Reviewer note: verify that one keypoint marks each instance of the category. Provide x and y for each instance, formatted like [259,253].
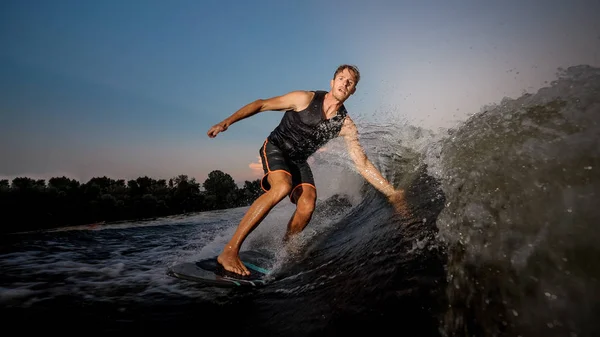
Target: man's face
[343,85]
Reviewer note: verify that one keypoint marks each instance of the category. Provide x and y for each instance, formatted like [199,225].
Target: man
[311,119]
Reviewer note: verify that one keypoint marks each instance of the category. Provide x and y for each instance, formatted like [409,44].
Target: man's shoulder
[302,93]
[308,91]
[348,121]
[299,99]
[348,127]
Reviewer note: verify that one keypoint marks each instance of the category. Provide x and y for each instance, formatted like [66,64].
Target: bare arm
[368,170]
[294,100]
[363,164]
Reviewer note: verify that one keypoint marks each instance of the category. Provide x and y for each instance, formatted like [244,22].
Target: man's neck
[331,104]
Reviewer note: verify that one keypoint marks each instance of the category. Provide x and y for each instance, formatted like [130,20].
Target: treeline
[28,204]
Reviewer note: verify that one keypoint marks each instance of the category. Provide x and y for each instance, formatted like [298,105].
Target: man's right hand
[212,132]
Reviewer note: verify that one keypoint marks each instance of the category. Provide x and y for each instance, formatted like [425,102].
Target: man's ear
[353,91]
[331,84]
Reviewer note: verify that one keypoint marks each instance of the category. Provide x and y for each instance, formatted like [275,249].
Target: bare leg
[306,197]
[280,187]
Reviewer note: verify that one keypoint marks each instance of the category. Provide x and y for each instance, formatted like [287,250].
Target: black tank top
[302,133]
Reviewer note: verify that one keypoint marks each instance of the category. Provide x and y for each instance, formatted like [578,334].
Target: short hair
[351,68]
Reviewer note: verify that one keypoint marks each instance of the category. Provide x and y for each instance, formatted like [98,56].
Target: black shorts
[274,160]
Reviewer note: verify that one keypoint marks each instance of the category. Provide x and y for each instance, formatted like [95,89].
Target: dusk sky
[128,88]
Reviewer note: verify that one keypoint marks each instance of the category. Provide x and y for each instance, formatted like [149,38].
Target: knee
[305,206]
[280,191]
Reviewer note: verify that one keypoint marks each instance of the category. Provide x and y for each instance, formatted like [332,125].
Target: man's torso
[301,133]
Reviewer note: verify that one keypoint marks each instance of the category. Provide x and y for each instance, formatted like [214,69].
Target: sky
[129,88]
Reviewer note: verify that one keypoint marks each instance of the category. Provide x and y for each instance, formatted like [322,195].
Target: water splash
[521,210]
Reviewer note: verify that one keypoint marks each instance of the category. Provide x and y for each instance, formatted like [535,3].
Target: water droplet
[587,168]
[569,210]
[515,313]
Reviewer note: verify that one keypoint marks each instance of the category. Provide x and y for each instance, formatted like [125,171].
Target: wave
[521,180]
[502,240]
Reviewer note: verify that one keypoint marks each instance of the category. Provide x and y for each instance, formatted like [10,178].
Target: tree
[186,193]
[64,201]
[220,185]
[252,190]
[23,183]
[63,184]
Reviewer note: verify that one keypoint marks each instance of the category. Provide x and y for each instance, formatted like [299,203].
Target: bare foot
[230,260]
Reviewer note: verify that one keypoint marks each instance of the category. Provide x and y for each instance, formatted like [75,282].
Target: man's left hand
[398,200]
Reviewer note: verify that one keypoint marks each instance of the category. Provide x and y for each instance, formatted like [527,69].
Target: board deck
[210,272]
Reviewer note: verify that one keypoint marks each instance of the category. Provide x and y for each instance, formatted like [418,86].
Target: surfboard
[209,272]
